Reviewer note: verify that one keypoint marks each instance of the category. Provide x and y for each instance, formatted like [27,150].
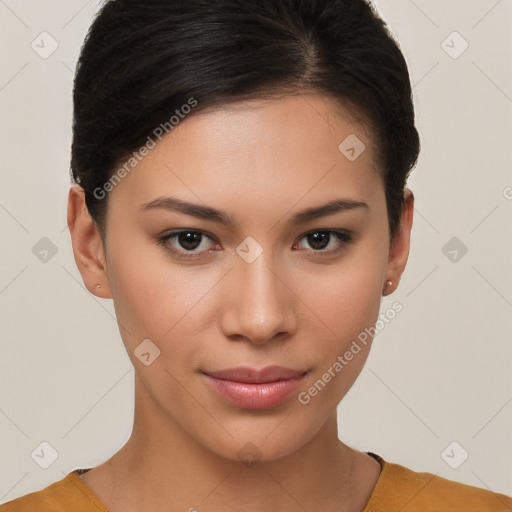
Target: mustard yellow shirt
[398,489]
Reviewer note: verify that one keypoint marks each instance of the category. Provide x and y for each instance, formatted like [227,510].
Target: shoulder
[400,488]
[67,495]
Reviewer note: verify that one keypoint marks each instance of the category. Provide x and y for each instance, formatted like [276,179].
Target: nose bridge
[259,306]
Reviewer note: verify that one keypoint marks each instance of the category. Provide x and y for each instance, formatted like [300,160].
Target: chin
[256,443]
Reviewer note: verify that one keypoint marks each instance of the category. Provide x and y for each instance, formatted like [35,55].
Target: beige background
[438,373]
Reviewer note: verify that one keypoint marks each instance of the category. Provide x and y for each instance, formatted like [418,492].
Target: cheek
[348,303]
[140,292]
[347,298]
[349,310]
[155,299]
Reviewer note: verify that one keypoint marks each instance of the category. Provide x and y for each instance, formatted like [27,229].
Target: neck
[162,468]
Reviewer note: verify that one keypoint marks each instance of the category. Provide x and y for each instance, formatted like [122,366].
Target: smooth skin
[296,305]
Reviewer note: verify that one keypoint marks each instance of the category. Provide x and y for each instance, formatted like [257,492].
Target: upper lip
[257,376]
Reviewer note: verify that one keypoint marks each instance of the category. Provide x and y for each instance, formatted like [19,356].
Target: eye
[190,243]
[333,241]
[186,243]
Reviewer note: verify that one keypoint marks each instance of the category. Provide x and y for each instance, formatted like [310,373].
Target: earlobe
[87,245]
[400,245]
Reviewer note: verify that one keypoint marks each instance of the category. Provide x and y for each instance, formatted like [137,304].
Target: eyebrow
[199,211]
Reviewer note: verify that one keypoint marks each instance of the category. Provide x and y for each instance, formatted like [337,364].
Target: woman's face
[268,285]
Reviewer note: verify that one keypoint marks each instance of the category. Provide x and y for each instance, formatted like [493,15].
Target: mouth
[250,388]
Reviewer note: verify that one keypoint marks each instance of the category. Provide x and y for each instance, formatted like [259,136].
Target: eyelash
[344,236]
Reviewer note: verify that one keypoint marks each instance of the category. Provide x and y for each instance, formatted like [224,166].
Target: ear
[88,248]
[399,245]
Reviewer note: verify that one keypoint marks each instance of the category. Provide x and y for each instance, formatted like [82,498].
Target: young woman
[240,172]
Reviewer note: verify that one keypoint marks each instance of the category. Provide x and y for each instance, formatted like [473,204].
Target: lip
[251,388]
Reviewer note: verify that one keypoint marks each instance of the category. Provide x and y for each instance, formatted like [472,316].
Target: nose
[258,304]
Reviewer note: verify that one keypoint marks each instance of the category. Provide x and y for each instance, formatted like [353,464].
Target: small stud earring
[98,286]
[388,285]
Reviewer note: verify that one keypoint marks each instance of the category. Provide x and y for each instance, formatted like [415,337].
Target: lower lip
[255,396]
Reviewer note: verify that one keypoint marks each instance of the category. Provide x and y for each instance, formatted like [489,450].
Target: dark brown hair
[144,60]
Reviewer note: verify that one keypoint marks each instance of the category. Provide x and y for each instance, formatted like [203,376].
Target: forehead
[289,127]
[266,149]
